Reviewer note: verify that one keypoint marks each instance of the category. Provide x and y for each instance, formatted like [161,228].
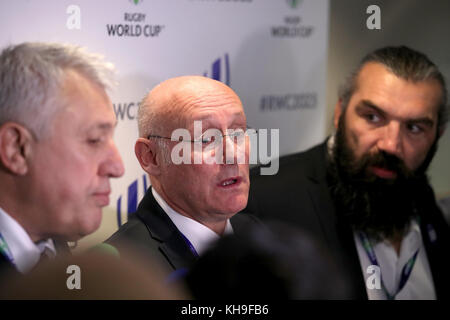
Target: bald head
[167,105]
[208,192]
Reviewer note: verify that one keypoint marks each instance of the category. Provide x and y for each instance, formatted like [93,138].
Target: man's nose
[390,139]
[113,165]
[229,151]
[235,148]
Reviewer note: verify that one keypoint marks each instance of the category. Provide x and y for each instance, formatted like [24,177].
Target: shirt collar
[411,242]
[200,236]
[24,253]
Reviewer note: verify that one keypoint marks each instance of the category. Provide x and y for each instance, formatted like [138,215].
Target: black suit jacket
[153,236]
[299,194]
[6,268]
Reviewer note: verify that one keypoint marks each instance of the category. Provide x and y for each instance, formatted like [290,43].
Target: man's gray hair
[151,121]
[32,74]
[405,63]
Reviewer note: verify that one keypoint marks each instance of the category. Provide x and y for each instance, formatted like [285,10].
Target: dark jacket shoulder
[284,195]
[293,166]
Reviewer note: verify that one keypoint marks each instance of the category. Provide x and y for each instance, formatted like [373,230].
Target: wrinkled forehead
[217,106]
[374,74]
[379,84]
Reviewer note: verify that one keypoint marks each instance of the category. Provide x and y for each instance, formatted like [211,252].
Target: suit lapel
[161,228]
[321,198]
[338,236]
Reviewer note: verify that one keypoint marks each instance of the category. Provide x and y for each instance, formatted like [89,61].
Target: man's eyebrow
[105,125]
[368,104]
[424,121]
[209,121]
[208,117]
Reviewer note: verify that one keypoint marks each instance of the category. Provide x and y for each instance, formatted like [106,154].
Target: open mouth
[230,182]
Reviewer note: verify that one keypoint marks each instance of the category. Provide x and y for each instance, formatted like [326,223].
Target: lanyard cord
[406,271]
[191,247]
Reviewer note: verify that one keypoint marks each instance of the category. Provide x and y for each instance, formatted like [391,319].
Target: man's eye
[371,117]
[207,140]
[414,128]
[94,141]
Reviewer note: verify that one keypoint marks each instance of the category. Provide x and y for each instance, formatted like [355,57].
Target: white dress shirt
[200,236]
[22,251]
[420,282]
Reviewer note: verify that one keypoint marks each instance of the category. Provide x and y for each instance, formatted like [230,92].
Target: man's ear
[337,113]
[145,151]
[15,147]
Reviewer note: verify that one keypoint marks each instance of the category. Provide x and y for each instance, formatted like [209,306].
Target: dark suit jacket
[6,268]
[299,194]
[154,237]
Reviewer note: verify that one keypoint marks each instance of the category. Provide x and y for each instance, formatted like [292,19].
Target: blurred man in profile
[192,202]
[57,152]
[364,191]
[93,275]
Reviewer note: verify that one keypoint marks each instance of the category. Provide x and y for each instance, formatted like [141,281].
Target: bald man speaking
[194,146]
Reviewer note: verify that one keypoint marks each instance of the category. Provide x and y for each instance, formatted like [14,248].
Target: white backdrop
[273,53]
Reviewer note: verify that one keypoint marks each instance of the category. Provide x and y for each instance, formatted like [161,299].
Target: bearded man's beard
[382,208]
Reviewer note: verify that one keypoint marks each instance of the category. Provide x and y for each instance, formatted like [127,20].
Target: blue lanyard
[191,247]
[5,251]
[406,271]
[182,272]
